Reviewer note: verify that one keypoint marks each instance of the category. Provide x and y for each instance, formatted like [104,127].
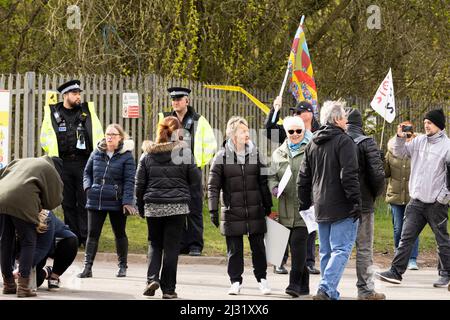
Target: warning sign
[130,105]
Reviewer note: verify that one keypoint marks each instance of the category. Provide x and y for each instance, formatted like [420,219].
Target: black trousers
[96,220]
[299,275]
[164,234]
[193,231]
[235,252]
[63,257]
[417,215]
[74,201]
[26,233]
[310,252]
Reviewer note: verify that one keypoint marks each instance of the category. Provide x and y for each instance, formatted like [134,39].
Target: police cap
[178,92]
[72,85]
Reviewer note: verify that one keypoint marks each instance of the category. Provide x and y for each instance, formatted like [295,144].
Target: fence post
[29,122]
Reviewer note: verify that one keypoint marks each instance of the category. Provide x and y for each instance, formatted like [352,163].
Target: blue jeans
[398,212]
[336,243]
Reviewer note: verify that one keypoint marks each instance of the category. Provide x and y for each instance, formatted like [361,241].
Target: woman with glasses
[239,179]
[290,155]
[109,185]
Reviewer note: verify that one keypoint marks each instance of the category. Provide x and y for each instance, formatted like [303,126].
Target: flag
[383,102]
[302,84]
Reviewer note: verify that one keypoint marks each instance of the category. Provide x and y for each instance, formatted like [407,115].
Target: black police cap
[72,85]
[178,92]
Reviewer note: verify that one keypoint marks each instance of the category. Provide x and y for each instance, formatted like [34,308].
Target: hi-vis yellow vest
[49,142]
[205,144]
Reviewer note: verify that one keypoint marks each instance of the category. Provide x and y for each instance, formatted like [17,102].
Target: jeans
[336,243]
[398,217]
[417,215]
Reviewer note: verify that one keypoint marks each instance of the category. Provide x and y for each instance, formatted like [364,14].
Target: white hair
[332,110]
[290,122]
[233,124]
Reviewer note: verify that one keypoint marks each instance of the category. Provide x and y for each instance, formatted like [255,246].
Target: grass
[215,243]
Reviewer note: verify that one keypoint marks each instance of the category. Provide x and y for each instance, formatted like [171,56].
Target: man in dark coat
[371,174]
[329,178]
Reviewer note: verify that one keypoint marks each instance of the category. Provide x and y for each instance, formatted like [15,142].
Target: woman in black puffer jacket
[109,184]
[163,178]
[237,171]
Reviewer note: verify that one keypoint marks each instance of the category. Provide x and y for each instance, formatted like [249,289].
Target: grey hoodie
[429,156]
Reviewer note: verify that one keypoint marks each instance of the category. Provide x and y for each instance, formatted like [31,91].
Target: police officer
[199,134]
[70,130]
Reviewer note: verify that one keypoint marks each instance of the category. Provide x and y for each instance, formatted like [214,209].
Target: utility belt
[74,157]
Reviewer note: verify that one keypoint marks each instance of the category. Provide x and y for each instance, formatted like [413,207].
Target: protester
[277,134]
[109,184]
[162,185]
[290,155]
[397,171]
[238,172]
[39,180]
[328,178]
[429,195]
[371,174]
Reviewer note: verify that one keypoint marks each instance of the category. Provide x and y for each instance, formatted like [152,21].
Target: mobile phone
[407,128]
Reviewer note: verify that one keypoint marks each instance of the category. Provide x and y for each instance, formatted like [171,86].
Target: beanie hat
[437,117]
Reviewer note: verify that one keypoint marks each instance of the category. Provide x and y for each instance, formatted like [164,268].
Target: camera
[407,128]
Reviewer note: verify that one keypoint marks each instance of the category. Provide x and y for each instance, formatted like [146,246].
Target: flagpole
[382,134]
[285,77]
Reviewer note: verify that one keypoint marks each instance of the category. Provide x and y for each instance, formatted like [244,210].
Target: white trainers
[264,287]
[234,289]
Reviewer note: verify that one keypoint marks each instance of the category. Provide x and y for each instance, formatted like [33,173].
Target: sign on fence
[130,105]
[4,127]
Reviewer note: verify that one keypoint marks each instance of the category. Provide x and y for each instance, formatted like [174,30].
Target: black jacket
[371,168]
[243,190]
[164,174]
[330,173]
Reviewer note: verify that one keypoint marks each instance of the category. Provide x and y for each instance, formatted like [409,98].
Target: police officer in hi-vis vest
[70,130]
[200,136]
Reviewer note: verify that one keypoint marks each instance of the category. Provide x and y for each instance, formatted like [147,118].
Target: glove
[214,218]
[129,210]
[275,191]
[355,213]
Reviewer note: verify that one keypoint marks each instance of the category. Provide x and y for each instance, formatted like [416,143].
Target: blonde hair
[233,124]
[42,222]
[119,128]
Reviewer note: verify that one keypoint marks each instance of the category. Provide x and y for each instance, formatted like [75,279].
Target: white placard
[130,105]
[383,102]
[284,181]
[310,219]
[4,127]
[276,240]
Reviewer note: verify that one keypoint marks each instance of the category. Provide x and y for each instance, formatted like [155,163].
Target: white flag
[384,102]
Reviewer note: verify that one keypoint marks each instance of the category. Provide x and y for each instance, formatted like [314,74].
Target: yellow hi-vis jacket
[49,142]
[205,144]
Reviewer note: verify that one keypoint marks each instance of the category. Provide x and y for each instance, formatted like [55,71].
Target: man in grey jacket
[429,196]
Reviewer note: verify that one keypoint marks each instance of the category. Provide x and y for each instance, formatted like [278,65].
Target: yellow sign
[51,97]
[255,100]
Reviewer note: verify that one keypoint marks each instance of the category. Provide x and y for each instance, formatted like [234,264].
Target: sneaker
[150,289]
[280,270]
[313,270]
[195,252]
[412,265]
[234,289]
[443,281]
[48,271]
[372,296]
[53,284]
[389,276]
[264,287]
[321,295]
[170,295]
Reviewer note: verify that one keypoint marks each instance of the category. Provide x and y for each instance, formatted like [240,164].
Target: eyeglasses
[112,134]
[297,131]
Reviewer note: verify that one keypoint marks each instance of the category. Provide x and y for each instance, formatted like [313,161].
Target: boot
[89,256]
[23,289]
[122,254]
[9,285]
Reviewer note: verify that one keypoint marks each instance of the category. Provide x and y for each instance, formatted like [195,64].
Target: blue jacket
[109,182]
[45,242]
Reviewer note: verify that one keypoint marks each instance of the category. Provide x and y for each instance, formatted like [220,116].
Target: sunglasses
[297,131]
